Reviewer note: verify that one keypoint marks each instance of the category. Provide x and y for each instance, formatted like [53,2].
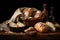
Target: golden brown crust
[41,27]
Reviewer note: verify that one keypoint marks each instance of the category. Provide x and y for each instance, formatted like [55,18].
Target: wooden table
[30,36]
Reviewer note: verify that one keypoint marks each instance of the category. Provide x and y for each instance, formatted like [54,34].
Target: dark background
[7,7]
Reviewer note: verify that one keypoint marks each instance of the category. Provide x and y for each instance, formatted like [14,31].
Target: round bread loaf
[51,25]
[12,24]
[41,27]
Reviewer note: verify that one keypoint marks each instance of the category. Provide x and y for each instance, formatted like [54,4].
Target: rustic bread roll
[41,27]
[37,14]
[19,24]
[12,24]
[51,25]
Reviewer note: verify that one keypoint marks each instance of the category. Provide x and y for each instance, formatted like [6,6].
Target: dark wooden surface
[30,36]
